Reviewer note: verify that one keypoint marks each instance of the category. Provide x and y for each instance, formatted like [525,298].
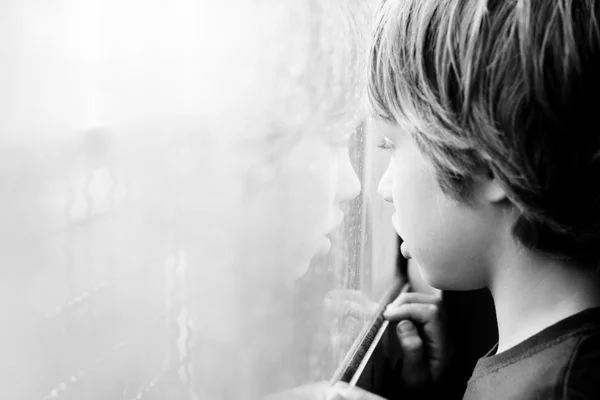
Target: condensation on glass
[172,177]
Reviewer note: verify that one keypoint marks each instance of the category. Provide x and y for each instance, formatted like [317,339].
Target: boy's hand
[422,336]
[322,391]
[343,391]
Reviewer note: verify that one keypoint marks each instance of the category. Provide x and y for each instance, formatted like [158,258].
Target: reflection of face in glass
[309,93]
[289,217]
[322,178]
[287,149]
[287,208]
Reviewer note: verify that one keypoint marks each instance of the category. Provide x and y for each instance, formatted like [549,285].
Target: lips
[403,247]
[404,250]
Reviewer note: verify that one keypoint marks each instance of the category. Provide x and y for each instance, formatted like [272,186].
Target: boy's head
[500,97]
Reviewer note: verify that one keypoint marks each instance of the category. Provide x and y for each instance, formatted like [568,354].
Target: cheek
[413,193]
[446,239]
[449,242]
[453,257]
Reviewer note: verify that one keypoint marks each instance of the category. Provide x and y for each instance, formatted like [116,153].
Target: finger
[343,391]
[429,316]
[414,297]
[415,369]
[418,312]
[337,392]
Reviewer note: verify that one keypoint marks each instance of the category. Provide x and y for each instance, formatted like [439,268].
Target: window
[171,173]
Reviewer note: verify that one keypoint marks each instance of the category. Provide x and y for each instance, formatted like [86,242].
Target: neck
[532,292]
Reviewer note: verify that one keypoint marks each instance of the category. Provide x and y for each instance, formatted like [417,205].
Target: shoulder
[582,379]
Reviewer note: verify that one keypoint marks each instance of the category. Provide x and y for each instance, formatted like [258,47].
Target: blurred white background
[174,176]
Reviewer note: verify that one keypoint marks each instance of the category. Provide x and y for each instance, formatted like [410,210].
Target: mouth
[403,247]
[404,250]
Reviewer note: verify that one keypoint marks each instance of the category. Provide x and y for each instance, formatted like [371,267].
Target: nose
[348,182]
[386,185]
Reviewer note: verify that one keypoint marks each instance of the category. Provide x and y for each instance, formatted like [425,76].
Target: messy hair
[509,87]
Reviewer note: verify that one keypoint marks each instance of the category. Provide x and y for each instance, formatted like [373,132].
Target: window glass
[189,197]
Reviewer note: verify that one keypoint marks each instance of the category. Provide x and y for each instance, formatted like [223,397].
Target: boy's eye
[386,144]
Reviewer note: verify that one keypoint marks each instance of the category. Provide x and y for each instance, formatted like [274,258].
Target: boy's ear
[491,190]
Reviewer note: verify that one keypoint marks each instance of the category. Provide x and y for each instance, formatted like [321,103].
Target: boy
[490,111]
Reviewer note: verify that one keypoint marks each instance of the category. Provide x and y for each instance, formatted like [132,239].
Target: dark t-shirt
[560,362]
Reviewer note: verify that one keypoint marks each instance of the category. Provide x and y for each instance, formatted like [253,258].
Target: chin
[435,282]
[447,271]
[324,246]
[300,270]
[319,249]
[437,278]
[453,282]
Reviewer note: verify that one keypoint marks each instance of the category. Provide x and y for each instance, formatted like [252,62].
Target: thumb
[415,371]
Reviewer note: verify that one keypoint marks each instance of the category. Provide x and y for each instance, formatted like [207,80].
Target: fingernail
[405,326]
